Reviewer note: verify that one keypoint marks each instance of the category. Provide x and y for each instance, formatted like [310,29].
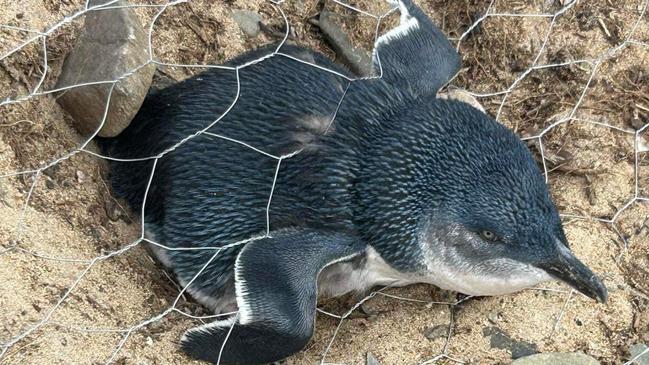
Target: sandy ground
[60,242]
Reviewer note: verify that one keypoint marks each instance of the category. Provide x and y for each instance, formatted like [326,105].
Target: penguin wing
[276,292]
[415,56]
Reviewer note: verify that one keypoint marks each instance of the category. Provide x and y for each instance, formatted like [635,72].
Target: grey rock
[557,358]
[497,338]
[521,349]
[501,340]
[112,210]
[435,332]
[112,44]
[371,360]
[639,354]
[161,80]
[493,317]
[358,60]
[248,21]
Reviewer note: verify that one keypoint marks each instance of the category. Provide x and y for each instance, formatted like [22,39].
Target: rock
[81,177]
[51,171]
[358,60]
[371,360]
[643,144]
[493,317]
[435,332]
[112,210]
[566,358]
[161,80]
[521,349]
[499,339]
[112,44]
[639,354]
[248,21]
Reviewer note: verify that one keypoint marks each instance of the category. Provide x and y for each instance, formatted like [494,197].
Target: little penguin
[311,185]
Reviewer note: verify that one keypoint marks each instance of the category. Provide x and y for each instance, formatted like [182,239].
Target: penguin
[298,183]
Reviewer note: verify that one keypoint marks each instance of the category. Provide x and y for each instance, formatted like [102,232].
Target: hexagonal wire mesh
[554,96]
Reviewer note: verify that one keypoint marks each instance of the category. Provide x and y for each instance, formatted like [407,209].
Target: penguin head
[481,244]
[492,228]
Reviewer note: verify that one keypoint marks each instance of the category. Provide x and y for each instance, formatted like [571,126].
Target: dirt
[58,245]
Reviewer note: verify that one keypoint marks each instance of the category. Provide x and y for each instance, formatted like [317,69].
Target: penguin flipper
[276,291]
[415,56]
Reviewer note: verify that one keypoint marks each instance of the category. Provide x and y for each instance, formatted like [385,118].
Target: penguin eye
[488,235]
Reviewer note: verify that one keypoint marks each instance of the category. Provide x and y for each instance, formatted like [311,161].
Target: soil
[57,232]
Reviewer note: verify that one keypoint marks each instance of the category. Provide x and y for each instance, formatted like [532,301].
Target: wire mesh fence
[588,126]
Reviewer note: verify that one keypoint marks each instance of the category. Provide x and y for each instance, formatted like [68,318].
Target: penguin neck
[392,198]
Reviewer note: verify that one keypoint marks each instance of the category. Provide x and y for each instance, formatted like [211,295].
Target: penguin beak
[566,267]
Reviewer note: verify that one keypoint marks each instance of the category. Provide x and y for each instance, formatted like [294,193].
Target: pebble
[358,60]
[435,332]
[636,350]
[493,317]
[371,360]
[501,340]
[563,358]
[112,210]
[112,43]
[248,21]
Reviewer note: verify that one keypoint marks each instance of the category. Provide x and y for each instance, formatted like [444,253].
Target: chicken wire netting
[570,77]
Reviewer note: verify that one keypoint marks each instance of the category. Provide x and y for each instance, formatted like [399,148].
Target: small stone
[433,333]
[149,341]
[81,177]
[569,358]
[639,354]
[248,21]
[501,340]
[358,60]
[371,360]
[521,349]
[112,44]
[49,183]
[493,317]
[112,210]
[497,338]
[51,171]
